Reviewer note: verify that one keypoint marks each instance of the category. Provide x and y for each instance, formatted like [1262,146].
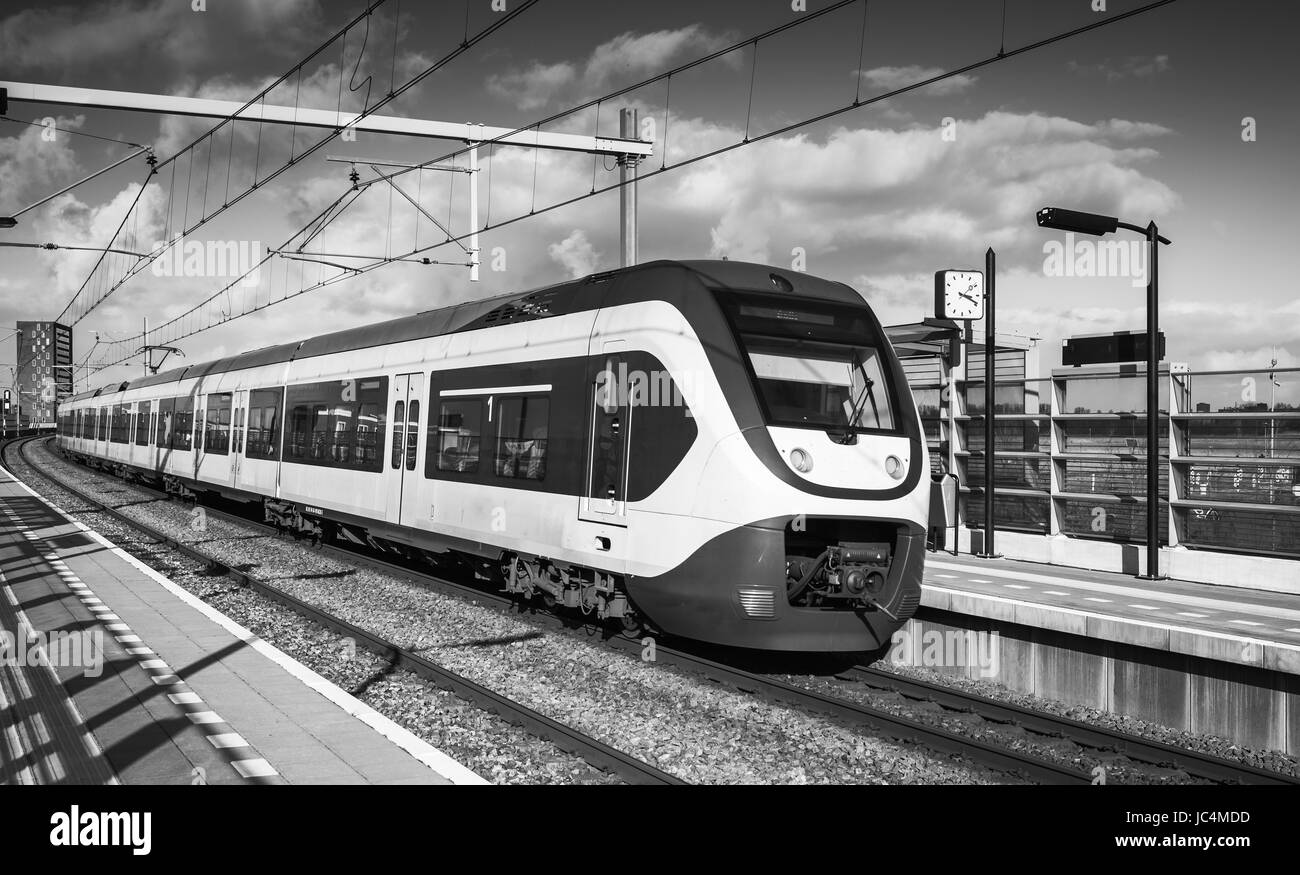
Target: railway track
[874,720]
[594,751]
[1101,738]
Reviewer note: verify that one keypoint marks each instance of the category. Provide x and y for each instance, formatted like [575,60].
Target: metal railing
[1070,455]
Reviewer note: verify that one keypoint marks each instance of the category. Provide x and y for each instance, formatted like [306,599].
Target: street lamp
[1090,223]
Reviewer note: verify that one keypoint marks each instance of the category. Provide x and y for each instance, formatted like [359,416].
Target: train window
[815,364]
[236,431]
[166,418]
[200,416]
[263,423]
[142,425]
[521,437]
[216,432]
[454,445]
[412,434]
[183,424]
[120,429]
[153,426]
[337,424]
[399,418]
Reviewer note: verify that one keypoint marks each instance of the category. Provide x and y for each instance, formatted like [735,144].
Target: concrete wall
[1247,705]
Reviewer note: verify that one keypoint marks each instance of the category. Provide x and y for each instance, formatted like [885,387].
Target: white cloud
[893,78]
[535,86]
[99,38]
[1137,66]
[618,61]
[31,165]
[576,254]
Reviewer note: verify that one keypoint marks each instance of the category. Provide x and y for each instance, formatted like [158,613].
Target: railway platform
[113,674]
[1204,657]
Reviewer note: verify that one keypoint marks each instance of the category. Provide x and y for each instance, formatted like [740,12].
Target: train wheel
[631,624]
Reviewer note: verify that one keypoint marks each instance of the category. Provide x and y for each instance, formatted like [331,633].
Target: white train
[723,451]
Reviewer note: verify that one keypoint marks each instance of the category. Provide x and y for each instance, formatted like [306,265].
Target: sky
[1180,115]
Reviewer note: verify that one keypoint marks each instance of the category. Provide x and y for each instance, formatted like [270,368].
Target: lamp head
[1059,219]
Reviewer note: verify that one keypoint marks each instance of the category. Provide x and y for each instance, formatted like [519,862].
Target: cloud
[622,60]
[1135,66]
[900,197]
[106,40]
[535,86]
[31,165]
[576,254]
[893,78]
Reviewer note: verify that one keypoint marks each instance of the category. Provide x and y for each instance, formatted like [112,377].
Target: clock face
[959,294]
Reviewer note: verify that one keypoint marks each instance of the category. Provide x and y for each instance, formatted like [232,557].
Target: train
[713,450]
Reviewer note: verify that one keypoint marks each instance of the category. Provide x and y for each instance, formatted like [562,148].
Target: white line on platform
[1144,607]
[255,768]
[1054,592]
[1246,622]
[1089,598]
[1131,621]
[1267,611]
[403,738]
[1014,586]
[1191,614]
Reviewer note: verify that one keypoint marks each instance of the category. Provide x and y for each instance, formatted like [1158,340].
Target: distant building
[1202,407]
[44,374]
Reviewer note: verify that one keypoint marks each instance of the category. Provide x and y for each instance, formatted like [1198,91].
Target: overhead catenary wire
[74,132]
[498,21]
[855,104]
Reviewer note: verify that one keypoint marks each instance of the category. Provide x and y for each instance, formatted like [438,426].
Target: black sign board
[1099,349]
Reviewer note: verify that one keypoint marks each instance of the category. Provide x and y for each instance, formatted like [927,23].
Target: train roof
[566,297]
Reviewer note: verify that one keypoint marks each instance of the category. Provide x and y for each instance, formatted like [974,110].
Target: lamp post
[1091,223]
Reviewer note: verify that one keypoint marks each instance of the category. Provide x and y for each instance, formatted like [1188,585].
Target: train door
[199,426]
[238,434]
[407,412]
[605,497]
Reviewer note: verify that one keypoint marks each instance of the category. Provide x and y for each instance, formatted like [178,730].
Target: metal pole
[49,198]
[145,337]
[1153,403]
[990,372]
[473,214]
[627,127]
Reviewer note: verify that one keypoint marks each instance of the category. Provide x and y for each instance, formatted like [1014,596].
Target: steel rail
[592,750]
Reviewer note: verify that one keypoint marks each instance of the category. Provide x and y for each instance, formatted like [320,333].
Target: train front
[824,473]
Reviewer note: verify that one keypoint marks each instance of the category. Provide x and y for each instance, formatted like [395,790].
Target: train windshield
[815,364]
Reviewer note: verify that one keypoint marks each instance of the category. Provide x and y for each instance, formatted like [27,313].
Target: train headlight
[894,467]
[801,460]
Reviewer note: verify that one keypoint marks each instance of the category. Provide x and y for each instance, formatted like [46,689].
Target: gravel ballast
[690,727]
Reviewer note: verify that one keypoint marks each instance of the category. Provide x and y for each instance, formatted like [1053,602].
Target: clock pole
[990,372]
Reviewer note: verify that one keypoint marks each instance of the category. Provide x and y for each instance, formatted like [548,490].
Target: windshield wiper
[856,410]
